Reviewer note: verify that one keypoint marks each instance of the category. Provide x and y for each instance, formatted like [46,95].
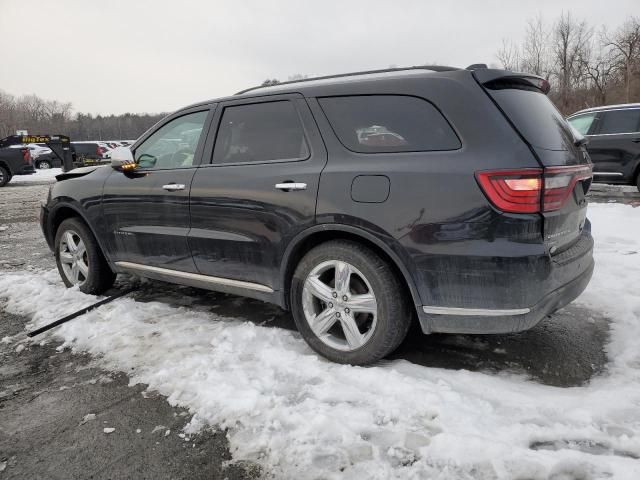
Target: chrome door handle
[288,186]
[172,187]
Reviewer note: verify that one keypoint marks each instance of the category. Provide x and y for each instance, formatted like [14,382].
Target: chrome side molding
[195,276]
[607,174]
[480,312]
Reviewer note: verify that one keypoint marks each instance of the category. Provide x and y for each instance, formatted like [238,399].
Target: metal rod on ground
[40,330]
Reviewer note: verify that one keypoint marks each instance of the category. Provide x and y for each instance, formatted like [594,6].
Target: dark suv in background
[613,132]
[360,201]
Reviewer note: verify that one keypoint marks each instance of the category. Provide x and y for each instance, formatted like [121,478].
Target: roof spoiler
[497,79]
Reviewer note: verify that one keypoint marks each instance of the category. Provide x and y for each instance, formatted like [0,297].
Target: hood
[78,172]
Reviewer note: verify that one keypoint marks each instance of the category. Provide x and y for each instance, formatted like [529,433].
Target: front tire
[348,303]
[44,165]
[638,181]
[80,260]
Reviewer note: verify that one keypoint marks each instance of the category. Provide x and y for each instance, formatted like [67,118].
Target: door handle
[172,187]
[636,140]
[289,186]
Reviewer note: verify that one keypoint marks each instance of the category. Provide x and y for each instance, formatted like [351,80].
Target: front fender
[59,209]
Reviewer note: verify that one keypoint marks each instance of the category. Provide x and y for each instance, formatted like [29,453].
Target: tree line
[42,117]
[586,66]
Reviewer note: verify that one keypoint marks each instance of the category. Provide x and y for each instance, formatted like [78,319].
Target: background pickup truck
[14,160]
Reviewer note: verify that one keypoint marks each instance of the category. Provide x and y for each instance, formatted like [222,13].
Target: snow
[300,416]
[88,418]
[43,176]
[108,430]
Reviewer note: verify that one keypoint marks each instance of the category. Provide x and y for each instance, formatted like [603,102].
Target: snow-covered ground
[303,417]
[44,176]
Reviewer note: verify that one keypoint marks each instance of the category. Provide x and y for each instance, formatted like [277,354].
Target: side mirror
[122,159]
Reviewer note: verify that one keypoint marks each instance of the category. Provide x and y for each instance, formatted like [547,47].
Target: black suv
[613,132]
[361,201]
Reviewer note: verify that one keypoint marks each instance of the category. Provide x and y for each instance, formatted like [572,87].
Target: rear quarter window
[388,123]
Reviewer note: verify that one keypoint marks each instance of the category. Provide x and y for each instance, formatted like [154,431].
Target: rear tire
[79,258]
[638,181]
[348,303]
[5,176]
[44,164]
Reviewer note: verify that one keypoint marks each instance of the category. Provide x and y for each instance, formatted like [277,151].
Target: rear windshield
[535,117]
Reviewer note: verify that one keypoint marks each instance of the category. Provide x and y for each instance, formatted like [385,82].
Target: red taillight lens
[531,190]
[26,156]
[514,191]
[99,150]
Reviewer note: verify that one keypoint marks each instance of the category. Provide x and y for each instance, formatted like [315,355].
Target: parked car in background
[46,161]
[15,160]
[89,153]
[613,134]
[360,202]
[37,149]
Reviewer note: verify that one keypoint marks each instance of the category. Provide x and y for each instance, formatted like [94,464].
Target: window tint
[535,117]
[388,123]
[260,132]
[582,123]
[173,145]
[619,121]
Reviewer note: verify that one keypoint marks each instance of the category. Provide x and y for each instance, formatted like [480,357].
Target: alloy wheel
[73,257]
[339,305]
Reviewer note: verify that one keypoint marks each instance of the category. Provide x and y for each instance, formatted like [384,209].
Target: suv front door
[146,212]
[259,190]
[614,144]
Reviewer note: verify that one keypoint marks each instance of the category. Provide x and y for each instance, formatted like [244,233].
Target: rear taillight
[559,183]
[26,156]
[99,150]
[531,190]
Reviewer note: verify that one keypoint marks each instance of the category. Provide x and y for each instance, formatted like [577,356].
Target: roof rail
[434,68]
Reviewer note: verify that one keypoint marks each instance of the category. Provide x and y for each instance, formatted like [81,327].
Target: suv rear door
[614,144]
[243,213]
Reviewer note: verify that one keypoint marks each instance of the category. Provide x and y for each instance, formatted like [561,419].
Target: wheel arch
[318,234]
[62,212]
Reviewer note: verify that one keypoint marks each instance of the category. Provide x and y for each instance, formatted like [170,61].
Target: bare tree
[600,67]
[625,43]
[571,40]
[535,48]
[509,55]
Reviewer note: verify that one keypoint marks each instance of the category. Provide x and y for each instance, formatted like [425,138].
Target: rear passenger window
[619,121]
[260,132]
[388,123]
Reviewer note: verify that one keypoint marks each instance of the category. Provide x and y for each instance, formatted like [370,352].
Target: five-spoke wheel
[73,257]
[348,303]
[339,305]
[79,258]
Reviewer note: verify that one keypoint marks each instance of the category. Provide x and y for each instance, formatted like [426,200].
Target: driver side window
[173,145]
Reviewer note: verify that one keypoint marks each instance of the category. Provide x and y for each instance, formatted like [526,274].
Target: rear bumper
[480,321]
[502,297]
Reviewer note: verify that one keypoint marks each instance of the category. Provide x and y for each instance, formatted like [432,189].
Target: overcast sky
[113,56]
